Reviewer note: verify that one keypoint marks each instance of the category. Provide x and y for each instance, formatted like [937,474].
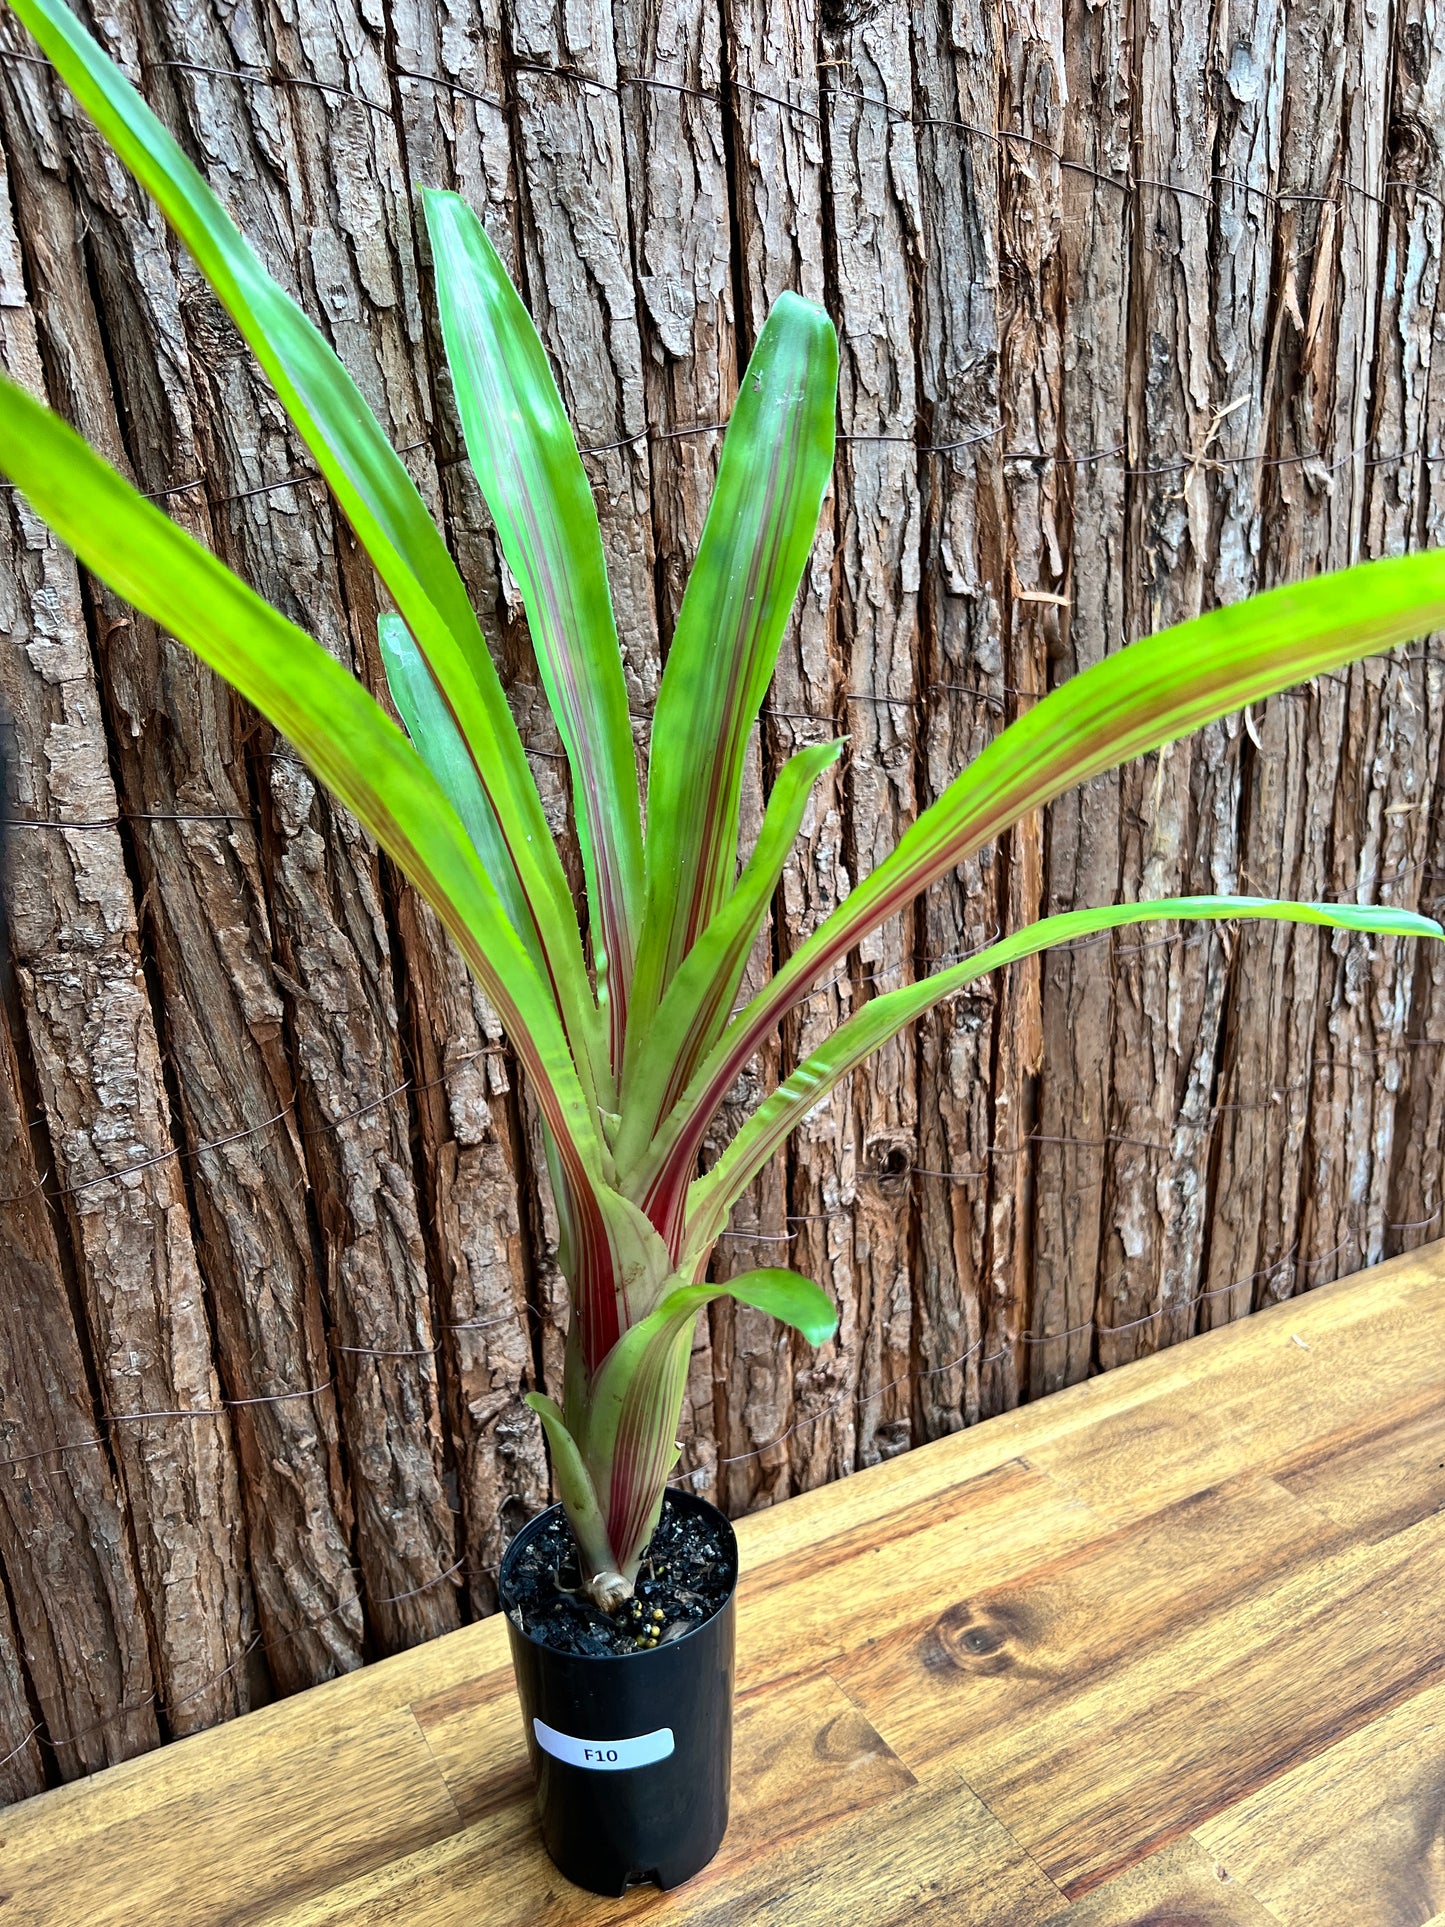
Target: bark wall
[1138,306]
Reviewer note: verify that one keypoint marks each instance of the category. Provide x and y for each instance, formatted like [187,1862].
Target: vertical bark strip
[1031,111]
[1179,808]
[1082,836]
[966,687]
[22,1770]
[91,1037]
[670,64]
[1390,739]
[468,1127]
[1413,510]
[874,239]
[1259,1069]
[63,1540]
[1286,1219]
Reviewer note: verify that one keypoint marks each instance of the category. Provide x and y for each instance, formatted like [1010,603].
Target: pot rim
[535,1524]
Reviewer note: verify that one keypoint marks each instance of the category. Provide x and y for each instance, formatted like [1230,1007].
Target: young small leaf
[791,1299]
[574,1486]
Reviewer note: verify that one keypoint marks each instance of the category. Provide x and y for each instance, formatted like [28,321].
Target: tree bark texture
[1139,305]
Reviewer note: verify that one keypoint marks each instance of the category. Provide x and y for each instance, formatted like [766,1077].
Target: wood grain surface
[994,1683]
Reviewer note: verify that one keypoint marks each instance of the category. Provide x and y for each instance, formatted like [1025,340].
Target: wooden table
[1167,1647]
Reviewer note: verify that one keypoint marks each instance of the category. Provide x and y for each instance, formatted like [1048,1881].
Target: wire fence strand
[1130,185]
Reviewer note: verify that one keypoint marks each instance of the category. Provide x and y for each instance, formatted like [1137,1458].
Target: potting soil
[686,1576]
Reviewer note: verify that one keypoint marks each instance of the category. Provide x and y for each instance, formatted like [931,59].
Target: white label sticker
[604,1756]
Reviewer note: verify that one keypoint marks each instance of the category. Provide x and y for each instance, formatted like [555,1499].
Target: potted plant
[620,1600]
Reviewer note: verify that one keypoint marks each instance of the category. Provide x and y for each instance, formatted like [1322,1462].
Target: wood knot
[847,1738]
[891,1157]
[972,1639]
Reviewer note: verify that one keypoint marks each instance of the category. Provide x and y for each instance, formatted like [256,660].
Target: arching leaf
[339,728]
[1149,694]
[712,1196]
[369,479]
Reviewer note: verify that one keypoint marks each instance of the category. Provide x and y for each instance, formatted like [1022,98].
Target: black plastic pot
[633,1752]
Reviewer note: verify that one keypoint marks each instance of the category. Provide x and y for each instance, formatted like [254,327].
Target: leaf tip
[824,1330]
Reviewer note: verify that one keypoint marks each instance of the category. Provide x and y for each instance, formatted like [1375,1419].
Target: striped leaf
[635,1399]
[776,461]
[526,462]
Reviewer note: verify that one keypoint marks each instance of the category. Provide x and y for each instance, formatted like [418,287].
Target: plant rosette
[624,1013]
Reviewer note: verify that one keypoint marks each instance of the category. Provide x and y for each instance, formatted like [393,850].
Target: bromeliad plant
[632,1055]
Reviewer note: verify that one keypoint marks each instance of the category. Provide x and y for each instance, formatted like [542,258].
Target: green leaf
[340,730]
[636,1398]
[1149,694]
[791,1299]
[367,475]
[574,1487]
[776,461]
[661,1055]
[634,1403]
[437,740]
[711,1197]
[525,457]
